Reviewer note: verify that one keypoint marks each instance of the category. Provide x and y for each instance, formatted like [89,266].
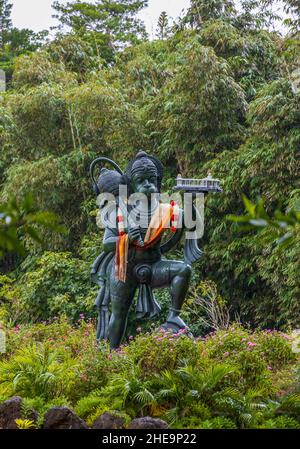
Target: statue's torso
[136,254]
[149,255]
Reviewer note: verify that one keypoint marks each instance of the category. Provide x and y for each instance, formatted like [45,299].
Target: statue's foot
[171,327]
[175,324]
[174,319]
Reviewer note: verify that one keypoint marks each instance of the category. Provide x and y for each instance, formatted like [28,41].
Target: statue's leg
[177,275]
[119,317]
[122,294]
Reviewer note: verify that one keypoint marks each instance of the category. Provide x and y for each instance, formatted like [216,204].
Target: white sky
[36,14]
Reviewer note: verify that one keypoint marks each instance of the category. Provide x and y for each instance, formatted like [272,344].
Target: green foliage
[37,68]
[241,262]
[5,21]
[188,123]
[161,351]
[253,58]
[17,220]
[245,15]
[101,120]
[270,349]
[282,228]
[57,284]
[293,9]
[198,386]
[218,423]
[63,190]
[40,114]
[281,422]
[94,405]
[216,93]
[205,309]
[116,22]
[37,370]
[202,11]
[14,41]
[77,54]
[162,25]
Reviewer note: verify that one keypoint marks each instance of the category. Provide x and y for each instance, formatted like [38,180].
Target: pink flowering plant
[209,382]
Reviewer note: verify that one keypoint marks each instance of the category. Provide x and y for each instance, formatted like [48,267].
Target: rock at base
[108,421]
[148,423]
[11,410]
[63,418]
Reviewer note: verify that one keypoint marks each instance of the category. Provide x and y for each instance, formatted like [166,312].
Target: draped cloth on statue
[147,306]
[160,220]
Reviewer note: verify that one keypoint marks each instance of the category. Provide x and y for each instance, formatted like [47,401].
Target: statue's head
[109,181]
[145,174]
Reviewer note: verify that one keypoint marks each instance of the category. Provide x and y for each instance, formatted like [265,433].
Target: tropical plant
[25,424]
[282,228]
[37,370]
[23,219]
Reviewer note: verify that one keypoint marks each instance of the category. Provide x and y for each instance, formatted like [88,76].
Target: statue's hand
[134,235]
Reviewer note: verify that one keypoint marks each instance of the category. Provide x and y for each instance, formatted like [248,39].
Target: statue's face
[144,182]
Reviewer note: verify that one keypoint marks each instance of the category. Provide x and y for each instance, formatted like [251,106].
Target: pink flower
[226,354]
[251,344]
[281,393]
[131,337]
[270,368]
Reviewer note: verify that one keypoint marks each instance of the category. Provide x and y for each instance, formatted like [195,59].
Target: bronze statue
[133,251]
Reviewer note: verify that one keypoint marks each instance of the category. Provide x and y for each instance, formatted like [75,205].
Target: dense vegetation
[216,91]
[229,379]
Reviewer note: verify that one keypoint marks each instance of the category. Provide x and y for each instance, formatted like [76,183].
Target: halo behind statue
[109,180]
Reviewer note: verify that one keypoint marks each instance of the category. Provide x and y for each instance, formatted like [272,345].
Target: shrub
[281,422]
[255,354]
[273,347]
[94,405]
[41,405]
[162,350]
[57,284]
[215,382]
[276,348]
[218,423]
[37,370]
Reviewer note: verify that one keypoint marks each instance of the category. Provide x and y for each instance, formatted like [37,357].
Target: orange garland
[159,222]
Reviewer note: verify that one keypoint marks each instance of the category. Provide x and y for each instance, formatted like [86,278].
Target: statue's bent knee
[186,270]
